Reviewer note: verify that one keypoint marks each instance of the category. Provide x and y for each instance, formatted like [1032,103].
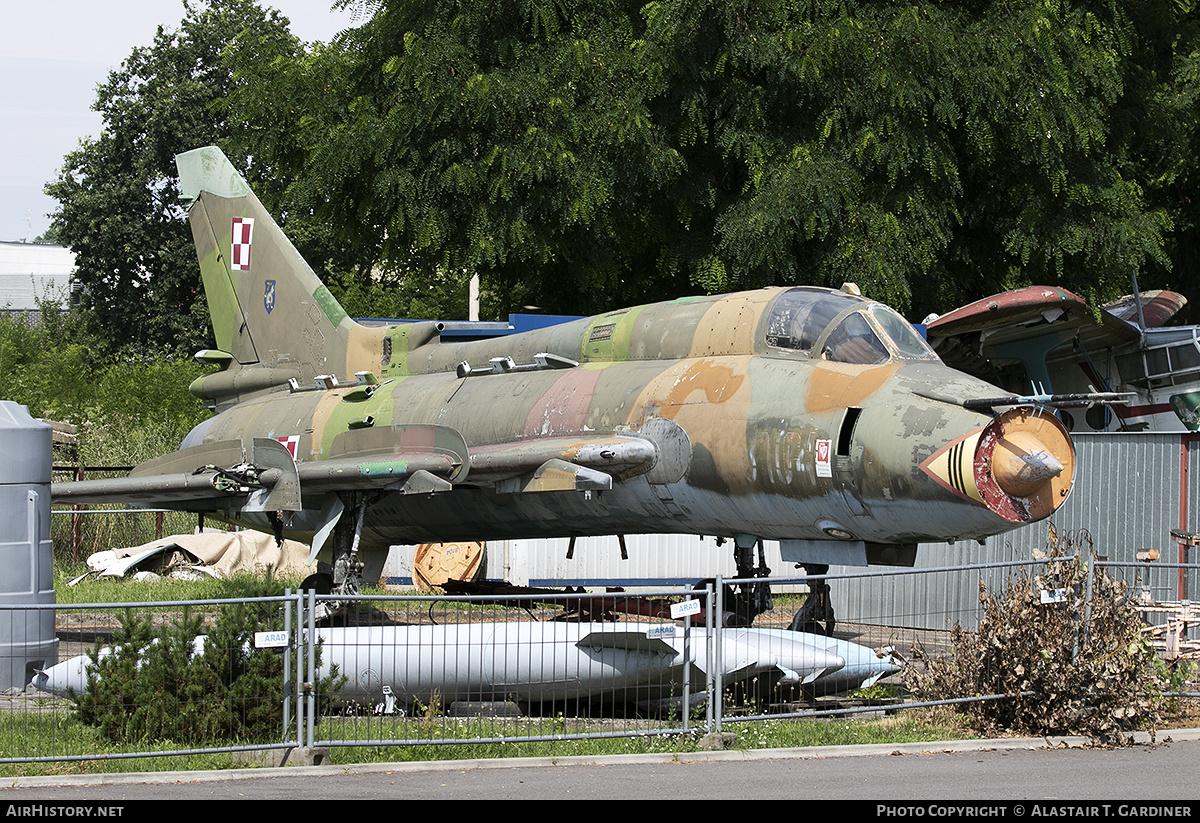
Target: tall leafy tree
[118,193]
[508,138]
[1161,133]
[582,154]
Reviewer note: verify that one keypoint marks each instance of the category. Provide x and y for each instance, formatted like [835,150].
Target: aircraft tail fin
[272,317]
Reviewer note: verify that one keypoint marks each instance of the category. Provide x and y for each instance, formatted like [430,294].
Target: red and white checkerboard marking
[239,252]
[290,443]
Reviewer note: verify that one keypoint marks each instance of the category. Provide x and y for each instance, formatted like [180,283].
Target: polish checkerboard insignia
[239,251]
[290,443]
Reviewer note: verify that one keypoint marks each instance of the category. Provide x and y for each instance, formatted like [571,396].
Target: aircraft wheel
[728,593]
[321,583]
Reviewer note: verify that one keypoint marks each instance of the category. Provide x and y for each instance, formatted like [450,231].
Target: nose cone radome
[1024,464]
[1020,465]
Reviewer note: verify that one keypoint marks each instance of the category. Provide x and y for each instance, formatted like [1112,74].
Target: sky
[53,54]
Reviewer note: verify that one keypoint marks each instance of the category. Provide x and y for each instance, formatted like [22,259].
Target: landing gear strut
[817,608]
[751,599]
[347,567]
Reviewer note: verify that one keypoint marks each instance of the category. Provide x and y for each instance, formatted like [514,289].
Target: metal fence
[279,673]
[152,701]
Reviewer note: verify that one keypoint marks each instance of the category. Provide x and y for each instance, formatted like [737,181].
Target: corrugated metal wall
[1126,497]
[1126,494]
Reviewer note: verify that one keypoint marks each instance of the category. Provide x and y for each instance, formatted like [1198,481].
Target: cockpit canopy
[842,328]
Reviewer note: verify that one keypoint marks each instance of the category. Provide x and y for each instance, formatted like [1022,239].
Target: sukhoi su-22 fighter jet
[810,416]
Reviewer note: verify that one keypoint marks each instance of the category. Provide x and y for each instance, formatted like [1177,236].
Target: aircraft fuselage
[751,438]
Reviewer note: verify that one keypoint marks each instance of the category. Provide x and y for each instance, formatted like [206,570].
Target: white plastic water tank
[27,640]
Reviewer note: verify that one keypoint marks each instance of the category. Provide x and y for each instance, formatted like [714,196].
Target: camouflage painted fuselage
[753,416]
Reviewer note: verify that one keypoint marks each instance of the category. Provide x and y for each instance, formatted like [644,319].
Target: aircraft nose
[1024,464]
[1020,465]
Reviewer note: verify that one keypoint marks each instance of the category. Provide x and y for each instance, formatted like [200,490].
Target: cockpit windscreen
[849,329]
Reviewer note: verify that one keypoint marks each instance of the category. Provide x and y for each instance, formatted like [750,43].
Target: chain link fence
[301,670]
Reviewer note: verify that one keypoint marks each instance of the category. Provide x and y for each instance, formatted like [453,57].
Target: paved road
[978,771]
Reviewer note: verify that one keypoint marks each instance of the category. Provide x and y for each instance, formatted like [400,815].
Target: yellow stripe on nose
[953,466]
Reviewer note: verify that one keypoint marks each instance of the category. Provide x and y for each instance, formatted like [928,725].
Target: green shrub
[154,687]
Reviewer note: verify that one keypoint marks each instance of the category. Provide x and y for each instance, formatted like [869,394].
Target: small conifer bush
[156,683]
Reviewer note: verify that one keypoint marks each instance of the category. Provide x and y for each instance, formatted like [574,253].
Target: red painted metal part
[1008,307]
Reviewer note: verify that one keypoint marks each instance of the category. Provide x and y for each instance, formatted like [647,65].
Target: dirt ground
[1185,715]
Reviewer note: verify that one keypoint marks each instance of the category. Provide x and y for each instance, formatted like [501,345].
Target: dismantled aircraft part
[531,662]
[1148,309]
[434,564]
[212,554]
[1048,340]
[1028,307]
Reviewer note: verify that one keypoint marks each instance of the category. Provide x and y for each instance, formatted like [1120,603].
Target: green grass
[59,733]
[904,727]
[96,590]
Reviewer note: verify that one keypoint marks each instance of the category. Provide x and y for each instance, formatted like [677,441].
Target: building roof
[32,271]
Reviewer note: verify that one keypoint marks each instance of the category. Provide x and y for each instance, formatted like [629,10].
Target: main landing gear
[346,578]
[747,600]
